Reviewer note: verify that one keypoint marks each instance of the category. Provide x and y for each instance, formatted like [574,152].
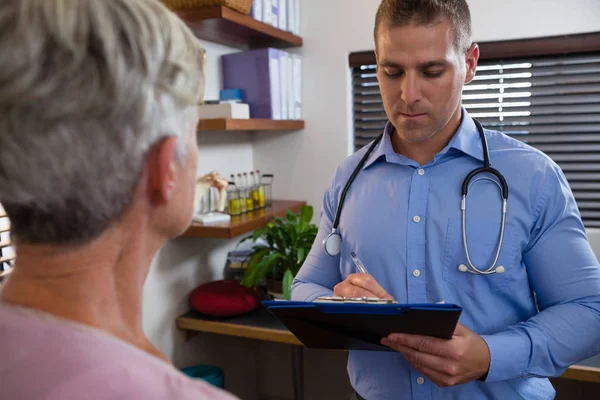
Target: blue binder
[351,326]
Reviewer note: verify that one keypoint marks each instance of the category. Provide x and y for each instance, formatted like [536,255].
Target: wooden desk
[262,325]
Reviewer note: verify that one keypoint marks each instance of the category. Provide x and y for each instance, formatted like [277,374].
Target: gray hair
[423,12]
[87,87]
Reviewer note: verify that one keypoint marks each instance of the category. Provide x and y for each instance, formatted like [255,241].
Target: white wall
[303,163]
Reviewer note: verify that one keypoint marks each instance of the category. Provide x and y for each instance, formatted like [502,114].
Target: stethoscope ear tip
[462,268]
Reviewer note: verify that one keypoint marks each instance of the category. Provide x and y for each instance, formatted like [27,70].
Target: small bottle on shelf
[233,198]
[243,195]
[249,199]
[254,190]
[260,190]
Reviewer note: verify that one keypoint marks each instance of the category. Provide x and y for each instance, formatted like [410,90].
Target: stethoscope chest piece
[333,243]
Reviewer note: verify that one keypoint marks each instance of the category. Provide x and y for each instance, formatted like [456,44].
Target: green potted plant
[288,242]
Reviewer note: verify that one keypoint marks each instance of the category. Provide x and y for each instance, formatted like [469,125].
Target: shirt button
[416,219]
[421,171]
[416,273]
[420,380]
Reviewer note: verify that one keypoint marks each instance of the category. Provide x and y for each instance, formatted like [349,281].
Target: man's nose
[411,89]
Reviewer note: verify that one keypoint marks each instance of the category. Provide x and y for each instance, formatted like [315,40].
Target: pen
[359,265]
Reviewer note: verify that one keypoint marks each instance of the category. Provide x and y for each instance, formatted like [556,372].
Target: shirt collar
[466,140]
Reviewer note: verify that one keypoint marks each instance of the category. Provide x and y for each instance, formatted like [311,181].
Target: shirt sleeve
[565,275]
[320,272]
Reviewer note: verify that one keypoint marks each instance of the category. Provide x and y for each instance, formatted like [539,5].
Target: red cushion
[223,299]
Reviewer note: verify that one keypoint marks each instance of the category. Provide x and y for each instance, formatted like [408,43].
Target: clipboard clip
[354,300]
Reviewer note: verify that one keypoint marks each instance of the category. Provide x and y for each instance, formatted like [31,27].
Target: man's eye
[392,73]
[433,74]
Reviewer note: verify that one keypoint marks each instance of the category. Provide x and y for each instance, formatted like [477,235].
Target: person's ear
[472,57]
[162,165]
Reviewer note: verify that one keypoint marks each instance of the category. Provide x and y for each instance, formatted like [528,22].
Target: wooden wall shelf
[206,125]
[225,26]
[244,223]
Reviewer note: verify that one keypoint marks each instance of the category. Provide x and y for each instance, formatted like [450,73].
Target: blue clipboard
[351,326]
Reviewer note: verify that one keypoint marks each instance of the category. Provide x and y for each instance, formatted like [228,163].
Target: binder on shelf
[297,17]
[257,74]
[267,11]
[355,326]
[284,63]
[289,101]
[257,10]
[283,14]
[297,87]
[275,10]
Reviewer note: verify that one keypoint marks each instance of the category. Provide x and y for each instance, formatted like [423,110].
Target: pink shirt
[46,358]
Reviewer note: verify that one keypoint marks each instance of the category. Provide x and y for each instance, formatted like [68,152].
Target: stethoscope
[333,242]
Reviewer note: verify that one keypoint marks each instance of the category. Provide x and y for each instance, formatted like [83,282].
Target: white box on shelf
[284,62]
[224,110]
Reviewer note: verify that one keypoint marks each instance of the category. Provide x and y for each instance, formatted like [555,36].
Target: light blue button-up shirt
[403,221]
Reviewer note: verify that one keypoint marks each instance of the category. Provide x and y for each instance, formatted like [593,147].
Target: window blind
[551,102]
[7,254]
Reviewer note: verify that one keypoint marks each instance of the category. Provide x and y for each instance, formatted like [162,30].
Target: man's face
[421,75]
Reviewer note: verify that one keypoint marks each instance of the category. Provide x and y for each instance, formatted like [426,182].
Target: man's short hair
[87,87]
[424,12]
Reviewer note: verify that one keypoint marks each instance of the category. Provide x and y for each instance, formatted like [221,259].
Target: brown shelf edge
[582,373]
[259,26]
[229,124]
[5,244]
[194,17]
[245,223]
[249,332]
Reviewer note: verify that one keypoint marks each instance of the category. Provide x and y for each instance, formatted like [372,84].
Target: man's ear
[162,168]
[472,57]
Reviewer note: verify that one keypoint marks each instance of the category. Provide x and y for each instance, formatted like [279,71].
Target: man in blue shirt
[538,313]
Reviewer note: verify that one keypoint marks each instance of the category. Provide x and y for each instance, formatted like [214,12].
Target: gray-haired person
[98,159]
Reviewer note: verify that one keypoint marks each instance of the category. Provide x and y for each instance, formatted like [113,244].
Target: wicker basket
[242,6]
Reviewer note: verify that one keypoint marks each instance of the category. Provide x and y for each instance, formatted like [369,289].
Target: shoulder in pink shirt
[45,358]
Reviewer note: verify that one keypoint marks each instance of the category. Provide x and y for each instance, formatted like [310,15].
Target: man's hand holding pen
[361,284]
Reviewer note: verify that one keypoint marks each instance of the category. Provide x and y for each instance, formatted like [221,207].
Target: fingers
[426,344]
[416,358]
[443,372]
[369,283]
[360,285]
